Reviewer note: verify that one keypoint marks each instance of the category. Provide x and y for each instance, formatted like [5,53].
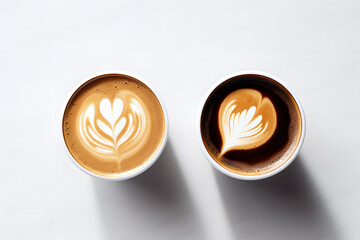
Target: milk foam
[114,129]
[246,120]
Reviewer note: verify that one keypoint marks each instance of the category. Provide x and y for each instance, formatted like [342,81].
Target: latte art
[114,126]
[246,120]
[114,130]
[250,125]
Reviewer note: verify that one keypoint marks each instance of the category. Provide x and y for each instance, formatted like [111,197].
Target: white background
[182,48]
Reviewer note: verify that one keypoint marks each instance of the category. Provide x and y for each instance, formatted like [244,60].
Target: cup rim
[143,168]
[228,172]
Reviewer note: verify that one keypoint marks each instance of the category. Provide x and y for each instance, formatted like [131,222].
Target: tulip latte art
[113,125]
[114,130]
[246,120]
[250,125]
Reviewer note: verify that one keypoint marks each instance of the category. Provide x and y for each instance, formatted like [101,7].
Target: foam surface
[250,125]
[113,124]
[246,120]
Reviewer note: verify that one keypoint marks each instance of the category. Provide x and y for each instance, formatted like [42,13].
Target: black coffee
[251,124]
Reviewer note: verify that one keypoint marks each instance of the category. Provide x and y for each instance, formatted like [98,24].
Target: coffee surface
[250,125]
[113,125]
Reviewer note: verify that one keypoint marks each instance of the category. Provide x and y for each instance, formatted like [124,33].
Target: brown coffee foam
[238,107]
[109,86]
[279,147]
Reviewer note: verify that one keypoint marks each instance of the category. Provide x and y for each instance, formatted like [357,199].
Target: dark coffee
[250,124]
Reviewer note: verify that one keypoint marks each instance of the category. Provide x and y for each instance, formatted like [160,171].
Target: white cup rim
[228,172]
[143,168]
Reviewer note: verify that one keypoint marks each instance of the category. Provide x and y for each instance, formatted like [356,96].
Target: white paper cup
[142,168]
[236,175]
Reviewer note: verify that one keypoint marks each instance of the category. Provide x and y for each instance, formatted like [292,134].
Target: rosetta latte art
[114,129]
[246,120]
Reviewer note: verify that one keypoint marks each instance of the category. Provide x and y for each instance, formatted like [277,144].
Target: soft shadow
[153,205]
[285,206]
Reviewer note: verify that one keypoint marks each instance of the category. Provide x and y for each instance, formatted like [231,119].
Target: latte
[113,125]
[250,125]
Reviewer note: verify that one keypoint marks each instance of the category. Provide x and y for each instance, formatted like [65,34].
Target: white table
[182,48]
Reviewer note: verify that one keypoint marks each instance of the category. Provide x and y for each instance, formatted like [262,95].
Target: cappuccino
[114,125]
[250,125]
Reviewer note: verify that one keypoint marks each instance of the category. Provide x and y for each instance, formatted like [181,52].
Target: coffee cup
[250,125]
[114,125]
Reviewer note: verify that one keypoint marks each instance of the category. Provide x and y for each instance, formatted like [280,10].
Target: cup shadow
[285,206]
[152,205]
